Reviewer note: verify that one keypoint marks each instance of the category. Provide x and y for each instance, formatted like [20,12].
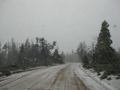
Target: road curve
[61,77]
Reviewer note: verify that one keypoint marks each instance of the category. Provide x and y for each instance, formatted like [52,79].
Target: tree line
[30,54]
[101,56]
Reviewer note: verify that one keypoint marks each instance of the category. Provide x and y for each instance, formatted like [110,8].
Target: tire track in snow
[80,84]
[66,79]
[61,77]
[29,77]
[46,75]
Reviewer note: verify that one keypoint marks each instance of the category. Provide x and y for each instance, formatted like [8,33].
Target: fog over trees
[29,54]
[51,32]
[68,22]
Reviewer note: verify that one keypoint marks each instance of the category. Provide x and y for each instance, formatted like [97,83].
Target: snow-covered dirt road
[62,77]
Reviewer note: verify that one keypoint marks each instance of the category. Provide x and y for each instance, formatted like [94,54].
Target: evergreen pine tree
[104,53]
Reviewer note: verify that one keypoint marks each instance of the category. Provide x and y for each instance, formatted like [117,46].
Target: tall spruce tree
[104,53]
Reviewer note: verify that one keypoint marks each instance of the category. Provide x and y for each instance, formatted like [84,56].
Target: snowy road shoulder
[90,81]
[71,76]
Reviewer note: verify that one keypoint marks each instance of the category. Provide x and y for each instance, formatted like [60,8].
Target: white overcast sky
[69,22]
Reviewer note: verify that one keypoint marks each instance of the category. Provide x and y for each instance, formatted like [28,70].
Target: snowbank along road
[62,77]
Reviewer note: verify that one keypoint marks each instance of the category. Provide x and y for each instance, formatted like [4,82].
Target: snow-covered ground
[70,76]
[93,80]
[114,82]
